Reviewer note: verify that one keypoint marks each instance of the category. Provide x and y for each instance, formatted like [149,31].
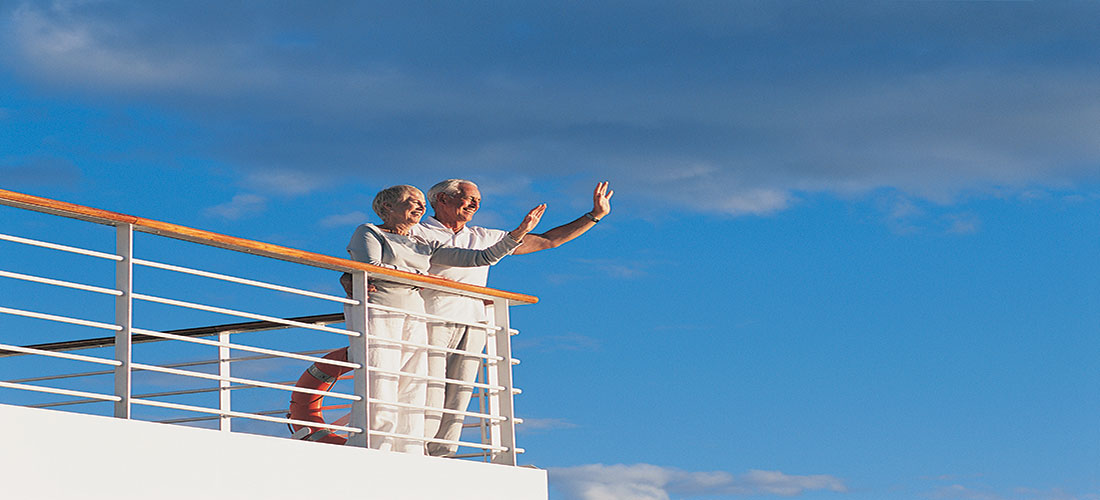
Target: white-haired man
[454,202]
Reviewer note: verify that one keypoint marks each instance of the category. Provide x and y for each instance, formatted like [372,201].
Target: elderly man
[455,201]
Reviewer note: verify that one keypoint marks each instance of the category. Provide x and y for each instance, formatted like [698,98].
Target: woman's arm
[461,257]
[367,245]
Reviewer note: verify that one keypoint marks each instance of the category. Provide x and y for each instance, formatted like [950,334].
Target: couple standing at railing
[442,245]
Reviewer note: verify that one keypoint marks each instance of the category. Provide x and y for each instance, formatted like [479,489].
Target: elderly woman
[389,245]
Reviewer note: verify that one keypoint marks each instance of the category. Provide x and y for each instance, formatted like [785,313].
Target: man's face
[463,206]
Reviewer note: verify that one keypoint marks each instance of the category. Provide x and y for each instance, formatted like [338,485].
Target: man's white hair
[449,186]
[390,195]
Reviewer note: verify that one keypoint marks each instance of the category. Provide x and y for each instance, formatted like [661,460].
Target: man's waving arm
[601,206]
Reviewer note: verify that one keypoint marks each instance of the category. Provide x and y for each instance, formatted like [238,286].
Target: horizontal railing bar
[481,454]
[172,365]
[65,403]
[61,355]
[408,406]
[230,413]
[63,376]
[468,444]
[159,394]
[148,395]
[237,380]
[75,211]
[64,392]
[60,319]
[66,284]
[397,373]
[63,248]
[438,319]
[242,314]
[433,440]
[243,281]
[215,417]
[429,347]
[202,331]
[241,347]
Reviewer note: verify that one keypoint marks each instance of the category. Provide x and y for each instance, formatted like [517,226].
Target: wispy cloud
[241,206]
[285,182]
[962,223]
[965,492]
[962,489]
[349,219]
[652,482]
[546,424]
[41,171]
[548,343]
[617,268]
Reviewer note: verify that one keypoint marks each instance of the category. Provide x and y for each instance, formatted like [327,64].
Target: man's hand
[529,222]
[601,200]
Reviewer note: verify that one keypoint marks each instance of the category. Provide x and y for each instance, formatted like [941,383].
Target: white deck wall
[47,454]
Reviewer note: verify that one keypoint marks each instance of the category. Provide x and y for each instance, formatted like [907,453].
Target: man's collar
[434,223]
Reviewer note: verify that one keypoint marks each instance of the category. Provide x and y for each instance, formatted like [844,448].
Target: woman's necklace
[391,230]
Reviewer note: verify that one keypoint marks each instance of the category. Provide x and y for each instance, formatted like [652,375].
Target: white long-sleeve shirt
[474,237]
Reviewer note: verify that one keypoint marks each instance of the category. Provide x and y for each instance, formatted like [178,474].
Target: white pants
[386,387]
[454,366]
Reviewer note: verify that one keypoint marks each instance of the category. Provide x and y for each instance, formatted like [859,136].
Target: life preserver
[308,407]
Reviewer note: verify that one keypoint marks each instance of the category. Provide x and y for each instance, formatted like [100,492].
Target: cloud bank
[652,482]
[734,108]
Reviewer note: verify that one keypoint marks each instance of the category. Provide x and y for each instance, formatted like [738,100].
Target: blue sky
[852,252]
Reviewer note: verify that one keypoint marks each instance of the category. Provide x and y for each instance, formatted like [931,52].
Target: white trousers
[449,396]
[391,387]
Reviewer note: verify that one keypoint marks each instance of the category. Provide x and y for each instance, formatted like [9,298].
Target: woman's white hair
[449,186]
[390,195]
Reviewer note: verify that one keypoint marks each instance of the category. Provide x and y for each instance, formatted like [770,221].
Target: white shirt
[471,237]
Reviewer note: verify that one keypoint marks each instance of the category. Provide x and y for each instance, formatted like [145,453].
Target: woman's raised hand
[529,222]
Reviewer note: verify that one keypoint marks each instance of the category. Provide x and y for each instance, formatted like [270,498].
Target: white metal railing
[493,390]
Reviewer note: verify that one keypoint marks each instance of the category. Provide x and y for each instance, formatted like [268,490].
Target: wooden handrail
[74,211]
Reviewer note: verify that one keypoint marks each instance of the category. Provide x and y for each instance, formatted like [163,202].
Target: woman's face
[408,210]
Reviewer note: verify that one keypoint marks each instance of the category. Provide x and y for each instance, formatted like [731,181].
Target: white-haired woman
[389,245]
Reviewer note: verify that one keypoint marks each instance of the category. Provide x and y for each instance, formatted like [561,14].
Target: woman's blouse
[374,246]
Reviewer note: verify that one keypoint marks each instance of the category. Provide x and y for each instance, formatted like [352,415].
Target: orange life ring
[308,407]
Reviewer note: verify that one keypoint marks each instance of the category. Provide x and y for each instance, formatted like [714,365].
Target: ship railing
[145,372]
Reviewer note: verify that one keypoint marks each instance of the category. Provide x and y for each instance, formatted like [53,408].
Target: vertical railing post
[224,404]
[355,318]
[483,406]
[500,374]
[124,316]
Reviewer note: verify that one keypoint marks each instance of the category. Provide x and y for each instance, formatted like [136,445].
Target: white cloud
[548,343]
[285,182]
[617,268]
[241,206]
[349,219]
[965,493]
[544,424]
[652,482]
[41,171]
[962,223]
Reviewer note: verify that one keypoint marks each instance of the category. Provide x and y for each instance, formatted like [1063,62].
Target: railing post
[355,318]
[500,374]
[124,316]
[225,422]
